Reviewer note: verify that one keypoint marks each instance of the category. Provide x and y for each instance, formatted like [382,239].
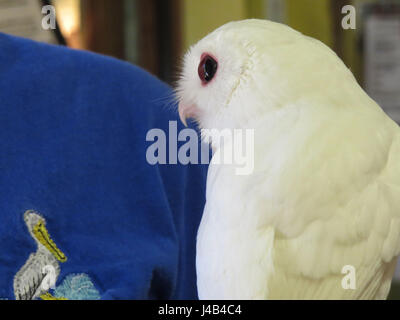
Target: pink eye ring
[207,68]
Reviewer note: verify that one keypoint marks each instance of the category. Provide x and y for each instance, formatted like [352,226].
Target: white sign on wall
[382,61]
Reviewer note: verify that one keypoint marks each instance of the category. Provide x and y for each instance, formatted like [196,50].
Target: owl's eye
[207,68]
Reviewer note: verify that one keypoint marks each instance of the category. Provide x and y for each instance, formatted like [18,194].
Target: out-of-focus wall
[202,17]
[319,19]
[24,19]
[308,16]
[313,18]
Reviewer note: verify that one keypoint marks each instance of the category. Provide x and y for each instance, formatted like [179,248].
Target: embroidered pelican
[42,268]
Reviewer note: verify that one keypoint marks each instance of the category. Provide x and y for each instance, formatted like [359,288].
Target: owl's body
[324,195]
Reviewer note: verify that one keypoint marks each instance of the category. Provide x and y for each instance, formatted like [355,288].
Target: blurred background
[154,34]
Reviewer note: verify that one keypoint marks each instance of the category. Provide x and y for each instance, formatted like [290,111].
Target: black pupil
[210,67]
[207,68]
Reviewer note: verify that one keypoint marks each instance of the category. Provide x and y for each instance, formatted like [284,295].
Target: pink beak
[186,111]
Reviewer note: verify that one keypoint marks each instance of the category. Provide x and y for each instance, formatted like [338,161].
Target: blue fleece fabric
[73,148]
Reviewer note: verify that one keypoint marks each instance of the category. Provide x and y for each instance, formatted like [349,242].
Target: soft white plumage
[325,191]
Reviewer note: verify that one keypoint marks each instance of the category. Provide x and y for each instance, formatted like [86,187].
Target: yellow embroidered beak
[42,235]
[48,296]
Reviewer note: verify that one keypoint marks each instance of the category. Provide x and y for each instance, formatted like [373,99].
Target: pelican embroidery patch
[42,267]
[40,272]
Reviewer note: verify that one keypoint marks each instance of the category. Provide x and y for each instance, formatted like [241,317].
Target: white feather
[325,191]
